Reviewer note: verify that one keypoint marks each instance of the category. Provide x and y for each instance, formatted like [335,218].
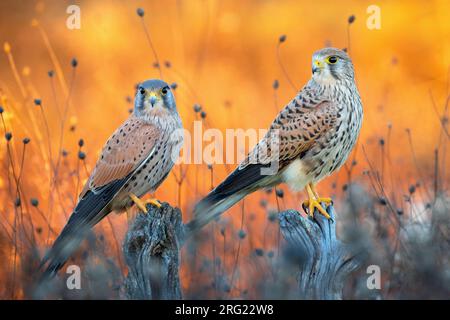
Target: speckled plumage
[135,160]
[319,127]
[316,130]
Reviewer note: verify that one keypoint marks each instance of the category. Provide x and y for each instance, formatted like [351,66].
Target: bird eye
[142,90]
[164,91]
[332,59]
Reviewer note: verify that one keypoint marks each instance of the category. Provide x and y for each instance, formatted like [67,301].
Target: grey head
[152,95]
[330,65]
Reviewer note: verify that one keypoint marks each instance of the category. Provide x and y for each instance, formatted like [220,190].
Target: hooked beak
[317,66]
[153,99]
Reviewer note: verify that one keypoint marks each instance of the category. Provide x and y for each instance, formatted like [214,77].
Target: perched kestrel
[134,161]
[316,132]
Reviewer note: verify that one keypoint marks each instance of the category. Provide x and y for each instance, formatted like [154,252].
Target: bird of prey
[134,161]
[308,140]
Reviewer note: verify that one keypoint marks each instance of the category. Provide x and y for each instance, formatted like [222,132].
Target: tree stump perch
[326,262]
[152,252]
[153,242]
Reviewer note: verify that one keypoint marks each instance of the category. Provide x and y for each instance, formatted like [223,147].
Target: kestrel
[316,132]
[134,161]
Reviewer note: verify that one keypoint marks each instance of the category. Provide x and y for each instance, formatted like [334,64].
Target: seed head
[140,12]
[351,19]
[197,107]
[259,252]
[275,84]
[279,193]
[272,216]
[263,203]
[26,140]
[34,202]
[282,38]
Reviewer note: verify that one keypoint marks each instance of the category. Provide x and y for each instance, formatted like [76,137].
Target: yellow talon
[314,202]
[327,201]
[154,202]
[138,202]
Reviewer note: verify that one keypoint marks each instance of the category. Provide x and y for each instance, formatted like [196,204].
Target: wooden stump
[151,250]
[326,263]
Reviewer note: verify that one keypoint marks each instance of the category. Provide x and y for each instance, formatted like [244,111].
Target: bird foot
[142,205]
[154,202]
[327,201]
[316,203]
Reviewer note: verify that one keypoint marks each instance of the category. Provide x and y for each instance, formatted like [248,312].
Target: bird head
[330,65]
[154,97]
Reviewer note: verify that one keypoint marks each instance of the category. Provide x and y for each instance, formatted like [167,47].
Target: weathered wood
[153,243]
[326,263]
[151,250]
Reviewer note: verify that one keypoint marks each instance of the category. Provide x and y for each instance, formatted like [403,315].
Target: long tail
[90,209]
[63,247]
[236,186]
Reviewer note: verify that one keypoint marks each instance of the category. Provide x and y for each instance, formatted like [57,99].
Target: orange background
[223,56]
